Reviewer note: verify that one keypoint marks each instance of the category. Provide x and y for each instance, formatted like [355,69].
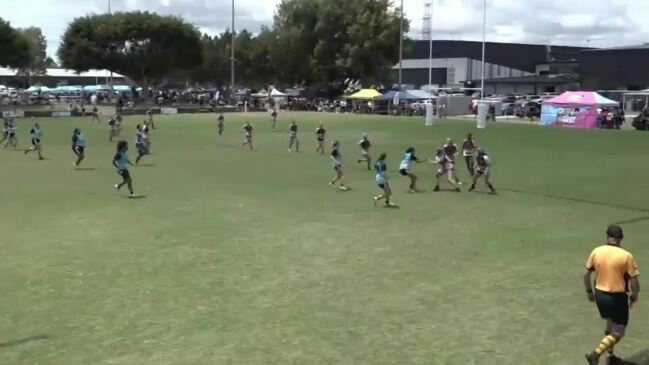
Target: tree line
[310,42]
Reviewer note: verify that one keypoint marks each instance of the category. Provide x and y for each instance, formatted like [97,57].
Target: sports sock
[607,343]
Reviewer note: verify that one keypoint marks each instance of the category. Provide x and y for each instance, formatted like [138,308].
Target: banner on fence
[168,111]
[13,113]
[65,113]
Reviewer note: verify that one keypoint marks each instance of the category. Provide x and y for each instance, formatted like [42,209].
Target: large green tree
[146,47]
[14,48]
[37,51]
[326,41]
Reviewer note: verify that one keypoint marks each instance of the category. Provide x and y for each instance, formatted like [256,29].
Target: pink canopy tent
[574,109]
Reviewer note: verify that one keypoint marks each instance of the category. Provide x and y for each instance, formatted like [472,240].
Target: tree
[146,47]
[50,63]
[326,41]
[14,48]
[37,51]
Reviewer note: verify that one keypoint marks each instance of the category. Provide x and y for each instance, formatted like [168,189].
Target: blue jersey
[381,172]
[407,161]
[36,133]
[79,139]
[122,160]
[139,137]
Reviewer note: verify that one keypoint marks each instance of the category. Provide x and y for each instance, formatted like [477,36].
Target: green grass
[236,257]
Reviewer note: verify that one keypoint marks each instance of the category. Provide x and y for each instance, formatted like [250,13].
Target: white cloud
[576,22]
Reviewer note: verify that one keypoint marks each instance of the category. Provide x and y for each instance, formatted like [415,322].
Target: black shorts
[79,149]
[613,306]
[35,141]
[404,172]
[12,135]
[124,174]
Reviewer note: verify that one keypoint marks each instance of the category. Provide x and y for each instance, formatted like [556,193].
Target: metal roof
[61,72]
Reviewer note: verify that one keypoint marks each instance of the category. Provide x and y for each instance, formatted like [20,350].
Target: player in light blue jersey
[140,143]
[381,169]
[404,168]
[121,163]
[337,159]
[78,146]
[36,134]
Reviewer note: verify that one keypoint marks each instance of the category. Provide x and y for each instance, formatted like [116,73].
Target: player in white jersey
[444,168]
[140,143]
[365,146]
[404,168]
[336,158]
[481,168]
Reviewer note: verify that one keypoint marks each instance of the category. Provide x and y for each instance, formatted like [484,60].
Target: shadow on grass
[25,340]
[579,200]
[641,358]
[85,169]
[146,164]
[135,197]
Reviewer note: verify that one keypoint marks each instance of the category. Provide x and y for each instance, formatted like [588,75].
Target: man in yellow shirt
[615,273]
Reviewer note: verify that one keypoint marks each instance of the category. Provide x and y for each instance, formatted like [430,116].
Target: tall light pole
[401,48]
[232,57]
[484,31]
[430,47]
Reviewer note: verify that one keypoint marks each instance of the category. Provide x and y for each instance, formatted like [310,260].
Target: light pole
[430,47]
[110,82]
[484,31]
[401,48]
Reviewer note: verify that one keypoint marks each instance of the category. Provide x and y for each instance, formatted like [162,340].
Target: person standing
[615,272]
[273,117]
[292,137]
[95,114]
[468,151]
[482,165]
[320,134]
[220,125]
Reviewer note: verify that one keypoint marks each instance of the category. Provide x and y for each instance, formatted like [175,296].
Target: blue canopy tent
[67,89]
[408,95]
[121,88]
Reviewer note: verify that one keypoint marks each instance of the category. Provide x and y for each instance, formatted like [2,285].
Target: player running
[78,146]
[36,134]
[95,114]
[292,137]
[482,164]
[381,170]
[247,136]
[365,146]
[140,143]
[450,149]
[444,168]
[320,134]
[404,168]
[146,131]
[468,151]
[121,163]
[336,158]
[10,134]
[220,124]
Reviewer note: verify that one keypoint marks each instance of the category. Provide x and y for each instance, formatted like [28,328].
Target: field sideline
[237,257]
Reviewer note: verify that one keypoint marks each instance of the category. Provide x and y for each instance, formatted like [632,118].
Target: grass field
[235,257]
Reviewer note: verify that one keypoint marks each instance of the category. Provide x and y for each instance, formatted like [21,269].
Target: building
[509,67]
[58,76]
[620,68]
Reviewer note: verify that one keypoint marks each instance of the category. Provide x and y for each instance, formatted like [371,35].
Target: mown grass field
[235,257]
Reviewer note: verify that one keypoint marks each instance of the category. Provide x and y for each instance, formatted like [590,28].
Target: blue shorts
[141,148]
[35,141]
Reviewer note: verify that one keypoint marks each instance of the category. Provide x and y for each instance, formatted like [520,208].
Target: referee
[615,272]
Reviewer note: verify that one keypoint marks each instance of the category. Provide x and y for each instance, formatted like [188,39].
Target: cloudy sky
[597,23]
